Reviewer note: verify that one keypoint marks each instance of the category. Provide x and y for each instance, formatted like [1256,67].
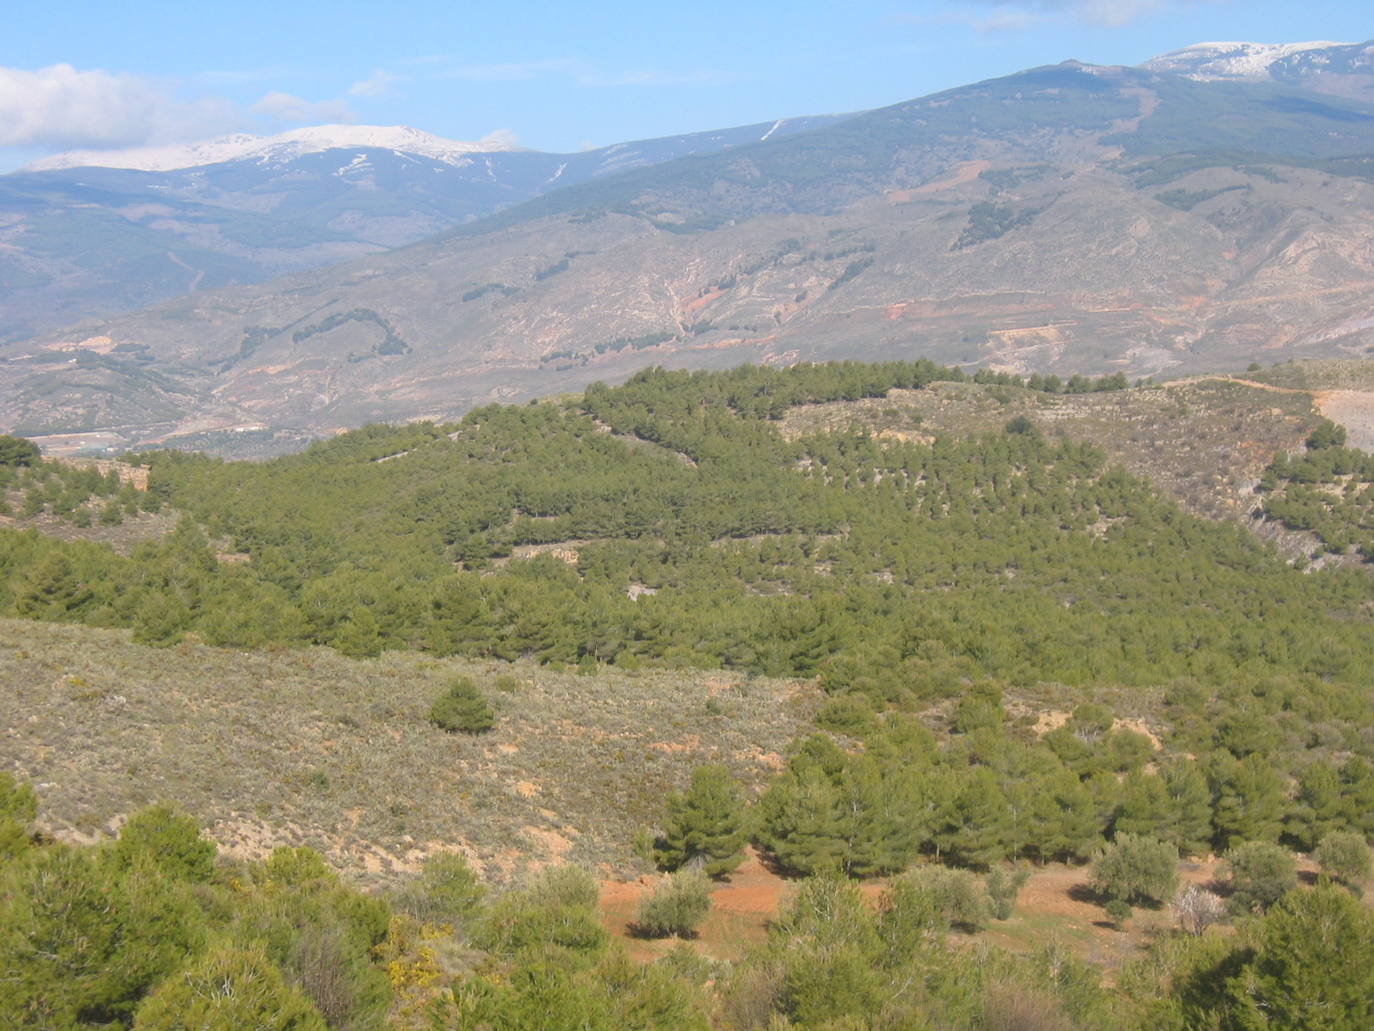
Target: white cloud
[375,85]
[501,138]
[286,107]
[60,106]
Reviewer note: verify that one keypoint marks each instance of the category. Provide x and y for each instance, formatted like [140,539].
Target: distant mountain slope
[1067,219]
[90,234]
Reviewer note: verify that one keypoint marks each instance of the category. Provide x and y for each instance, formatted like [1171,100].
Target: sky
[88,74]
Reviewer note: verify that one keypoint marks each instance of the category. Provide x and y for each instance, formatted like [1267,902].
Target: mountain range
[97,233]
[1210,208]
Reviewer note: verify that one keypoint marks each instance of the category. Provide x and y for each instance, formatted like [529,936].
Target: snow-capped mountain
[96,233]
[282,147]
[1339,69]
[1203,61]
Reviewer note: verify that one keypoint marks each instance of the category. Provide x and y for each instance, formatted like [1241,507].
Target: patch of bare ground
[305,747]
[1353,409]
[132,531]
[1056,905]
[741,908]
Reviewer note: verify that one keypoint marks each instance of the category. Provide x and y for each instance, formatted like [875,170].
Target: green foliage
[1329,490]
[905,566]
[18,809]
[168,840]
[103,936]
[1003,889]
[555,909]
[988,220]
[676,906]
[1307,964]
[706,825]
[1136,869]
[17,451]
[1313,967]
[230,988]
[957,897]
[543,994]
[462,708]
[1249,799]
[1118,912]
[1259,873]
[82,943]
[1344,857]
[447,891]
[293,867]
[1327,434]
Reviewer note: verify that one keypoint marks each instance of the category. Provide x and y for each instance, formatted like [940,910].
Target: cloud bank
[61,106]
[66,108]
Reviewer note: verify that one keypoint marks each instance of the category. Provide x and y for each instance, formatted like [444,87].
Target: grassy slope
[307,747]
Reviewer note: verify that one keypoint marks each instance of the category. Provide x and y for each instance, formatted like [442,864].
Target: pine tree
[706,824]
[462,708]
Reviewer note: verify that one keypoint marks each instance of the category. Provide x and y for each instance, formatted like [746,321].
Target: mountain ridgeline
[1065,219]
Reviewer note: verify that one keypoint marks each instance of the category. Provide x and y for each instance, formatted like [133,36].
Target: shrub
[557,908]
[1118,912]
[1344,857]
[18,809]
[228,988]
[676,907]
[1197,909]
[1259,873]
[462,709]
[1135,868]
[1003,889]
[446,892]
[955,897]
[293,867]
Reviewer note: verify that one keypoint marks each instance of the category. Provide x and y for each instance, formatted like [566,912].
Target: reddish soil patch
[1053,906]
[960,174]
[741,908]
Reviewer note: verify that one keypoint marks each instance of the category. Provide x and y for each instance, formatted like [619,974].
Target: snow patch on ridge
[1235,60]
[283,147]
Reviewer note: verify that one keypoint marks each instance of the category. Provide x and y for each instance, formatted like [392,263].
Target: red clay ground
[1052,907]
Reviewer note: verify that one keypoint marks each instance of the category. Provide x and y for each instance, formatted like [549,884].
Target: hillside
[1065,219]
[962,674]
[338,754]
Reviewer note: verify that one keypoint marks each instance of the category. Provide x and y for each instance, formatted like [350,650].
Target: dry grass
[307,747]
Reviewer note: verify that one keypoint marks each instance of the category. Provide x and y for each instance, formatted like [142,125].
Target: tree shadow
[1087,894]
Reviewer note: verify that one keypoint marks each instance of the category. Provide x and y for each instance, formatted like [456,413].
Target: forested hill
[1025,655]
[668,521]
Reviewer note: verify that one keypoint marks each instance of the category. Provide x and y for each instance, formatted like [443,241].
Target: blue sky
[558,76]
